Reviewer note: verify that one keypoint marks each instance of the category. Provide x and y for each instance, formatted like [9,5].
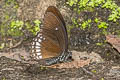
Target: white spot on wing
[37,44]
[33,43]
[39,40]
[32,46]
[40,57]
[33,51]
[38,54]
[36,39]
[34,55]
[56,29]
[41,37]
[37,47]
[38,50]
[37,57]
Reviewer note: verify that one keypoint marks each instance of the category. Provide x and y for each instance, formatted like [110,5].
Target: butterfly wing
[51,41]
[57,13]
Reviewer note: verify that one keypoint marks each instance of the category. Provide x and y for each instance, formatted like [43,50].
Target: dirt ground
[97,62]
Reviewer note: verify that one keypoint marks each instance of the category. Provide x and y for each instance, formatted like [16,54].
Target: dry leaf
[114,40]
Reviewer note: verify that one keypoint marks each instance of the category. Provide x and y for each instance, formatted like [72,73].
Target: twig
[88,72]
[16,45]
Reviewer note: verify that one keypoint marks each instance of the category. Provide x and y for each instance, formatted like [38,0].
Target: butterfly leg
[62,58]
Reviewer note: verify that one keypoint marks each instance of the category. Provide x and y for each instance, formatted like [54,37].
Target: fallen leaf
[114,40]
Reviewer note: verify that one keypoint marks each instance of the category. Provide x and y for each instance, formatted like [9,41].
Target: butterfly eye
[52,39]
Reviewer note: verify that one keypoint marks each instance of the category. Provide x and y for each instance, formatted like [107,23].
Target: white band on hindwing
[36,47]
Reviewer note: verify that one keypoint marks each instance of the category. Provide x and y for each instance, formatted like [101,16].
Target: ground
[96,62]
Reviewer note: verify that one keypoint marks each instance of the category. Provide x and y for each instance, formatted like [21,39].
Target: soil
[104,60]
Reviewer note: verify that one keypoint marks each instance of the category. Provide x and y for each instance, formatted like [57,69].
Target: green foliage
[33,29]
[96,20]
[94,71]
[102,79]
[103,25]
[72,2]
[110,5]
[99,44]
[75,22]
[4,78]
[95,3]
[12,2]
[88,4]
[9,26]
[37,26]
[86,24]
[37,23]
[104,32]
[114,16]
[2,45]
[83,3]
[115,10]
[15,28]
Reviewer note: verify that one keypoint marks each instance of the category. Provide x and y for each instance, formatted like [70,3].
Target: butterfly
[51,42]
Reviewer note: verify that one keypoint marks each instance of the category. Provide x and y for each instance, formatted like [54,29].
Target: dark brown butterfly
[52,40]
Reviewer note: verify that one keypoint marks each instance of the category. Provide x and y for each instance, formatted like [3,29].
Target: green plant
[114,16]
[115,10]
[86,24]
[2,45]
[3,78]
[75,22]
[72,2]
[89,4]
[99,44]
[11,2]
[97,20]
[104,32]
[37,22]
[83,3]
[34,29]
[37,26]
[94,71]
[7,18]
[102,79]
[110,4]
[103,25]
[15,28]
